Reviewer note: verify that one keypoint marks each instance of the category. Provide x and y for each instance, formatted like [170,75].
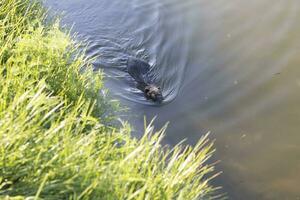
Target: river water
[231,67]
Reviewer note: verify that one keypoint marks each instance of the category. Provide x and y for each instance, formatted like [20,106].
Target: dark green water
[231,67]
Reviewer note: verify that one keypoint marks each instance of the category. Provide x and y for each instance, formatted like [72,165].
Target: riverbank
[56,137]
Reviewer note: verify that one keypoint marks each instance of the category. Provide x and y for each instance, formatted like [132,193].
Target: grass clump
[55,137]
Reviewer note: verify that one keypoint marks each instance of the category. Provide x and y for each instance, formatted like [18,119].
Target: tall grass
[55,137]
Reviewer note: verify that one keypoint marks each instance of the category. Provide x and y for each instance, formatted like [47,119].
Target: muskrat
[139,69]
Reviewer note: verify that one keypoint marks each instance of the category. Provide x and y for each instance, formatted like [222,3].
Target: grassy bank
[55,137]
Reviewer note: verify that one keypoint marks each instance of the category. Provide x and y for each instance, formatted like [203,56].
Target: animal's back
[138,69]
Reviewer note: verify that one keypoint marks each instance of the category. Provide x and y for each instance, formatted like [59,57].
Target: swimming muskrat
[138,69]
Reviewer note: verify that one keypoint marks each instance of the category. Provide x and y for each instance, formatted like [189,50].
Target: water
[231,67]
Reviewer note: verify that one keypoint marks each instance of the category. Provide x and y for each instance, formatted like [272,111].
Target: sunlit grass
[56,141]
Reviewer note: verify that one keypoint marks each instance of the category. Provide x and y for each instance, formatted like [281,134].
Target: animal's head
[154,93]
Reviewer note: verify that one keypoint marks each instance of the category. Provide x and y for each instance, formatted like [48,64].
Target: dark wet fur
[139,69]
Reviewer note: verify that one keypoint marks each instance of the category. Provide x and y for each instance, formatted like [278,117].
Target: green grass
[56,137]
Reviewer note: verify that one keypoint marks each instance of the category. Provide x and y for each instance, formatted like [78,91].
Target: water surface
[231,67]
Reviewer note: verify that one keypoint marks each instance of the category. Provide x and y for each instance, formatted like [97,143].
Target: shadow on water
[226,66]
